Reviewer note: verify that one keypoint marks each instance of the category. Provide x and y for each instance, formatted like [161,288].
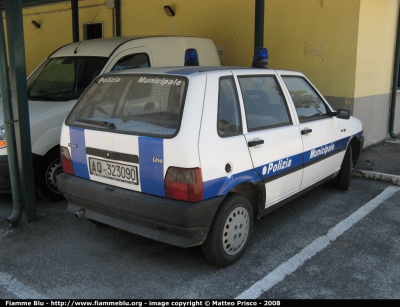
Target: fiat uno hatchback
[191,155]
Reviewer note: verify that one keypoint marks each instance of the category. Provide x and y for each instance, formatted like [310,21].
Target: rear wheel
[230,232]
[46,186]
[344,176]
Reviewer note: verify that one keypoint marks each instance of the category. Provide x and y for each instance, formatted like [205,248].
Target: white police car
[190,155]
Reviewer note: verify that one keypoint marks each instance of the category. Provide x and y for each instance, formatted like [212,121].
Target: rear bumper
[174,222]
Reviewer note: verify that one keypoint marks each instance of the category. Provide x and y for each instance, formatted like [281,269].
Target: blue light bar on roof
[191,57]
[260,59]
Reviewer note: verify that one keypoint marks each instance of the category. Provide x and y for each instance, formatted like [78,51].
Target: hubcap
[236,230]
[53,170]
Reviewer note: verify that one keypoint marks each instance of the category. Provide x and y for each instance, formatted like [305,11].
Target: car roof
[191,70]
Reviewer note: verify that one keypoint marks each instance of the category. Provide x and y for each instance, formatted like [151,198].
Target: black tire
[230,232]
[344,176]
[46,185]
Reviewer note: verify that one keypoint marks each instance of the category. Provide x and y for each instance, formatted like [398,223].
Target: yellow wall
[344,47]
[56,27]
[53,32]
[375,47]
[316,37]
[229,23]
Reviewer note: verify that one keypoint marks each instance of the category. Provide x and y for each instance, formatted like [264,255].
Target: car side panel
[217,152]
[279,161]
[323,149]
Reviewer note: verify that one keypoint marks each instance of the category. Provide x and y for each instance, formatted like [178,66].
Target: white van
[55,86]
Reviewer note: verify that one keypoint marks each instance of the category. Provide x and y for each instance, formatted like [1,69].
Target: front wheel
[230,232]
[46,186]
[344,176]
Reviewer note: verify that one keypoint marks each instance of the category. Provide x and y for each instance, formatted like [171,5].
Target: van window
[133,104]
[65,78]
[137,60]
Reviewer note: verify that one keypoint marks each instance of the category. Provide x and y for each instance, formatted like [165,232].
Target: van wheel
[230,232]
[344,176]
[46,186]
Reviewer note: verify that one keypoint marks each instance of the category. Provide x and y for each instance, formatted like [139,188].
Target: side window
[263,102]
[309,105]
[228,121]
[137,60]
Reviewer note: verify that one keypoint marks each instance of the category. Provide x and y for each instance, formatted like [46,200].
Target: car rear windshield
[64,78]
[134,104]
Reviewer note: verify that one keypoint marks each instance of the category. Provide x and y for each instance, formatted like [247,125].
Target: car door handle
[306,131]
[255,143]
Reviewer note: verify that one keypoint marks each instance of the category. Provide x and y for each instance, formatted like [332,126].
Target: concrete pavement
[380,162]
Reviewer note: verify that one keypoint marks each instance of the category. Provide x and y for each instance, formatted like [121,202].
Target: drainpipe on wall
[5,92]
[75,20]
[395,80]
[259,24]
[19,100]
[117,18]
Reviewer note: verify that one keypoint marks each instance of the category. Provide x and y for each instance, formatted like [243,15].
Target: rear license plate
[115,171]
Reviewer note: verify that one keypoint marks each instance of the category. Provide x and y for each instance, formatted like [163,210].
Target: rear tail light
[184,184]
[66,161]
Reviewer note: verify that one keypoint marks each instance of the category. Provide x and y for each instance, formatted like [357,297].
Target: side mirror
[343,114]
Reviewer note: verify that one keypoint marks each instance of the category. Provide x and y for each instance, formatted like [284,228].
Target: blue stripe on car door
[338,146]
[151,165]
[78,153]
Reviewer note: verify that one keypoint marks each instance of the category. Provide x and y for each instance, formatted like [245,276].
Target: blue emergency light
[191,57]
[260,59]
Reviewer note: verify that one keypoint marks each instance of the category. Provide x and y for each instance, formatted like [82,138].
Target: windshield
[133,104]
[65,78]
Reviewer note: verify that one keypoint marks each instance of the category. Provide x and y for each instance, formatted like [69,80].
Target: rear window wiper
[97,123]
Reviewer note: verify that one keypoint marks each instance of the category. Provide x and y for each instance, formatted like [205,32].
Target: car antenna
[84,34]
